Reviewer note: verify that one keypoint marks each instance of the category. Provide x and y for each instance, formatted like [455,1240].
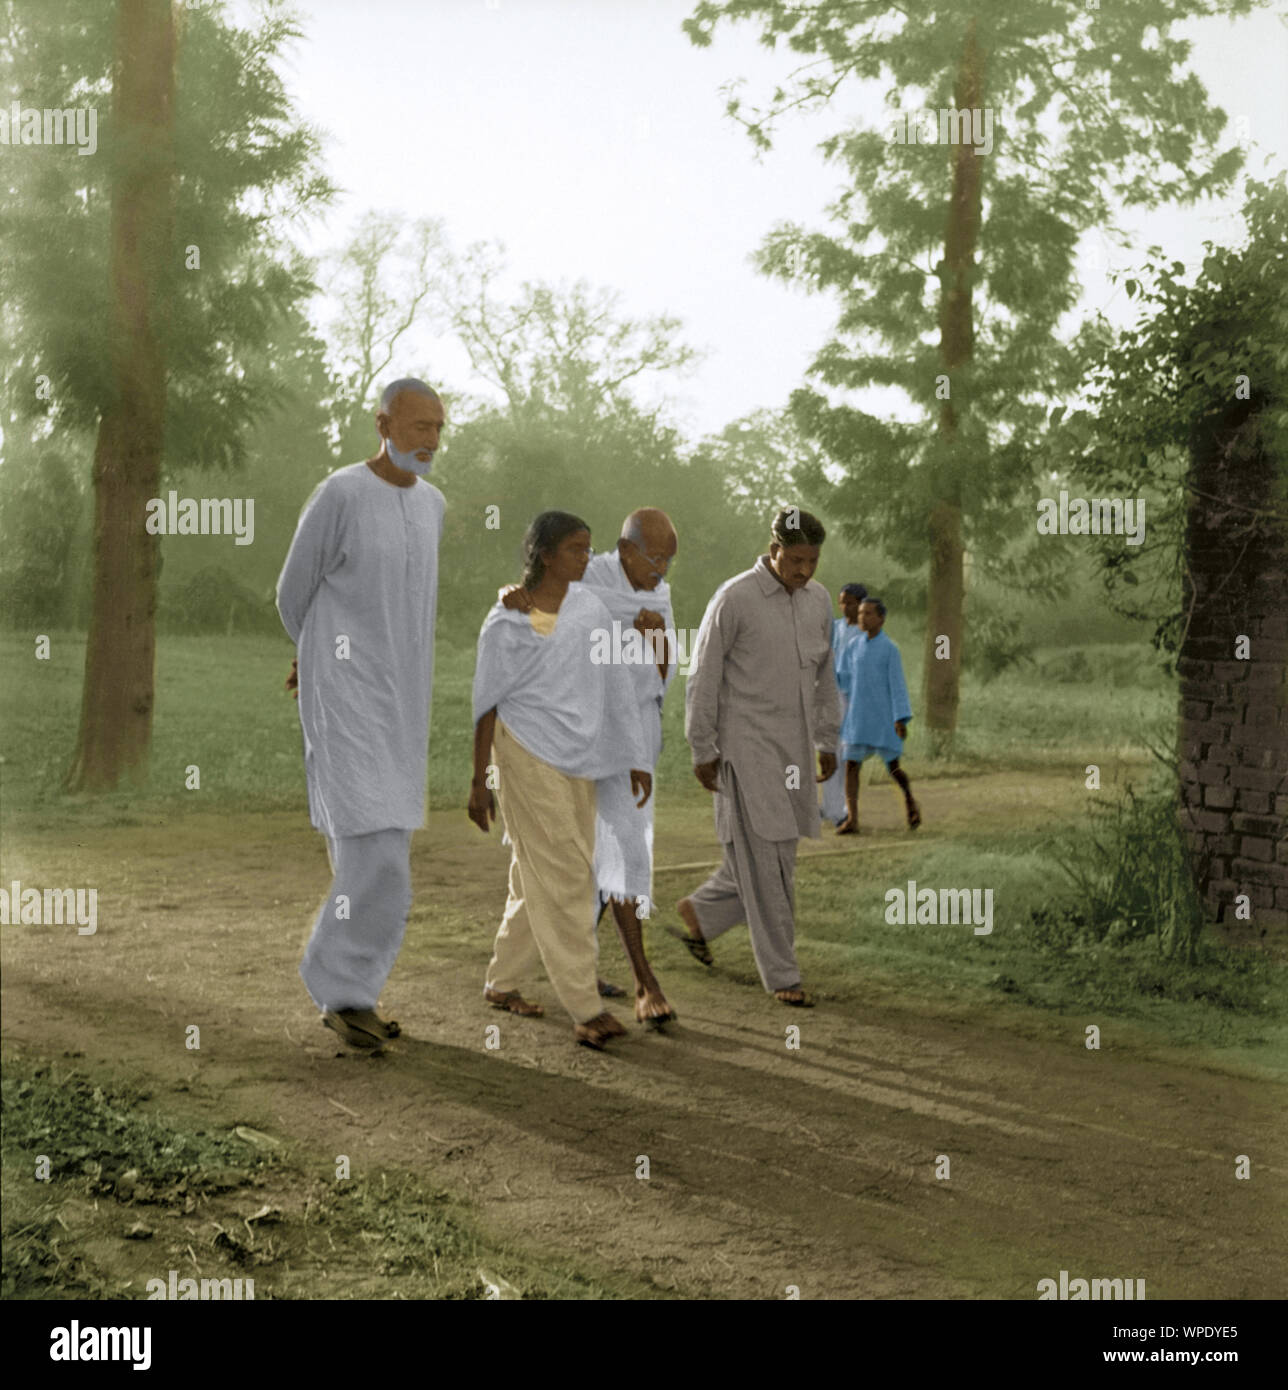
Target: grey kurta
[364,567]
[762,696]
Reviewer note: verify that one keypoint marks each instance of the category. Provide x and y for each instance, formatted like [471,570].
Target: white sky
[589,137]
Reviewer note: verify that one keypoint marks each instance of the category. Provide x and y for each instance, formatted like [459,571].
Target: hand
[482,807]
[708,774]
[641,782]
[826,766]
[515,596]
[293,680]
[901,728]
[648,621]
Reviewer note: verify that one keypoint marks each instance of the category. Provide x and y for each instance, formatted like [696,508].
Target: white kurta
[624,830]
[357,595]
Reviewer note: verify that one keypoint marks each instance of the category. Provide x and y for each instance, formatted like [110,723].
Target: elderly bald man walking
[358,595]
[631,582]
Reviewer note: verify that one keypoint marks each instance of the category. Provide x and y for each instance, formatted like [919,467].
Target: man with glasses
[622,578]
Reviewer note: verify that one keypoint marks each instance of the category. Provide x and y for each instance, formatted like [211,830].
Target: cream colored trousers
[550,819]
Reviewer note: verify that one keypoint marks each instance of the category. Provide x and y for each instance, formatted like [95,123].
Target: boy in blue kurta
[845,630]
[870,674]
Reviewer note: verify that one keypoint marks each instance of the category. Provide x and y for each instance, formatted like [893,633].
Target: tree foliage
[953,267]
[1154,389]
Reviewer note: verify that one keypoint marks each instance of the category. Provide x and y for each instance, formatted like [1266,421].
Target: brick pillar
[1233,711]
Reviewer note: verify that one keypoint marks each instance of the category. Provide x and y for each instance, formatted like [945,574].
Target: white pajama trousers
[359,928]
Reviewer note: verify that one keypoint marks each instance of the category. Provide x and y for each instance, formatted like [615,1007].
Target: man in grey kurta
[761,697]
[357,595]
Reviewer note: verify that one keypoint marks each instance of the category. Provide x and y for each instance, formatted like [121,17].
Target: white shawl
[576,715]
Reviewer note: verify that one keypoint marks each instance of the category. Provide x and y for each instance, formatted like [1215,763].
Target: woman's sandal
[513,1002]
[699,950]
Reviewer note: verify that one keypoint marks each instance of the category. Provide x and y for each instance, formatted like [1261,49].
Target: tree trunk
[116,707]
[947,584]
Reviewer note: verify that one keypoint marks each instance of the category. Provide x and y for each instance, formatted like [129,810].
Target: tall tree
[141,284]
[1013,128]
[116,702]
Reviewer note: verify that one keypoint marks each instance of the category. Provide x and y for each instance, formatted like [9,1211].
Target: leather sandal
[371,1022]
[699,950]
[513,1002]
[353,1032]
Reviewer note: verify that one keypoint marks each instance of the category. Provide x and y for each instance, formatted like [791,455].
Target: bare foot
[914,814]
[514,1002]
[848,827]
[796,996]
[595,1032]
[690,919]
[651,1007]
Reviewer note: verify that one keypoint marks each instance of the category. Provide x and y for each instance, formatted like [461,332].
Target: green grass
[380,1234]
[220,705]
[1037,954]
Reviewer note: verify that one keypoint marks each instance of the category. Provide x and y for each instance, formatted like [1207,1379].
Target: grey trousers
[359,928]
[755,884]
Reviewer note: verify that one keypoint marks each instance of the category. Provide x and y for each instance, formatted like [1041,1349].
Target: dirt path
[769,1167]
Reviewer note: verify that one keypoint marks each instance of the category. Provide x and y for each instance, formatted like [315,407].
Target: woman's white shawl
[579,716]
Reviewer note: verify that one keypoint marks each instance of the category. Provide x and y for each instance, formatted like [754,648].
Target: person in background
[870,673]
[844,630]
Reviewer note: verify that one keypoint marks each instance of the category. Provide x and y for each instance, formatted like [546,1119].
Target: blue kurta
[843,633]
[870,673]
